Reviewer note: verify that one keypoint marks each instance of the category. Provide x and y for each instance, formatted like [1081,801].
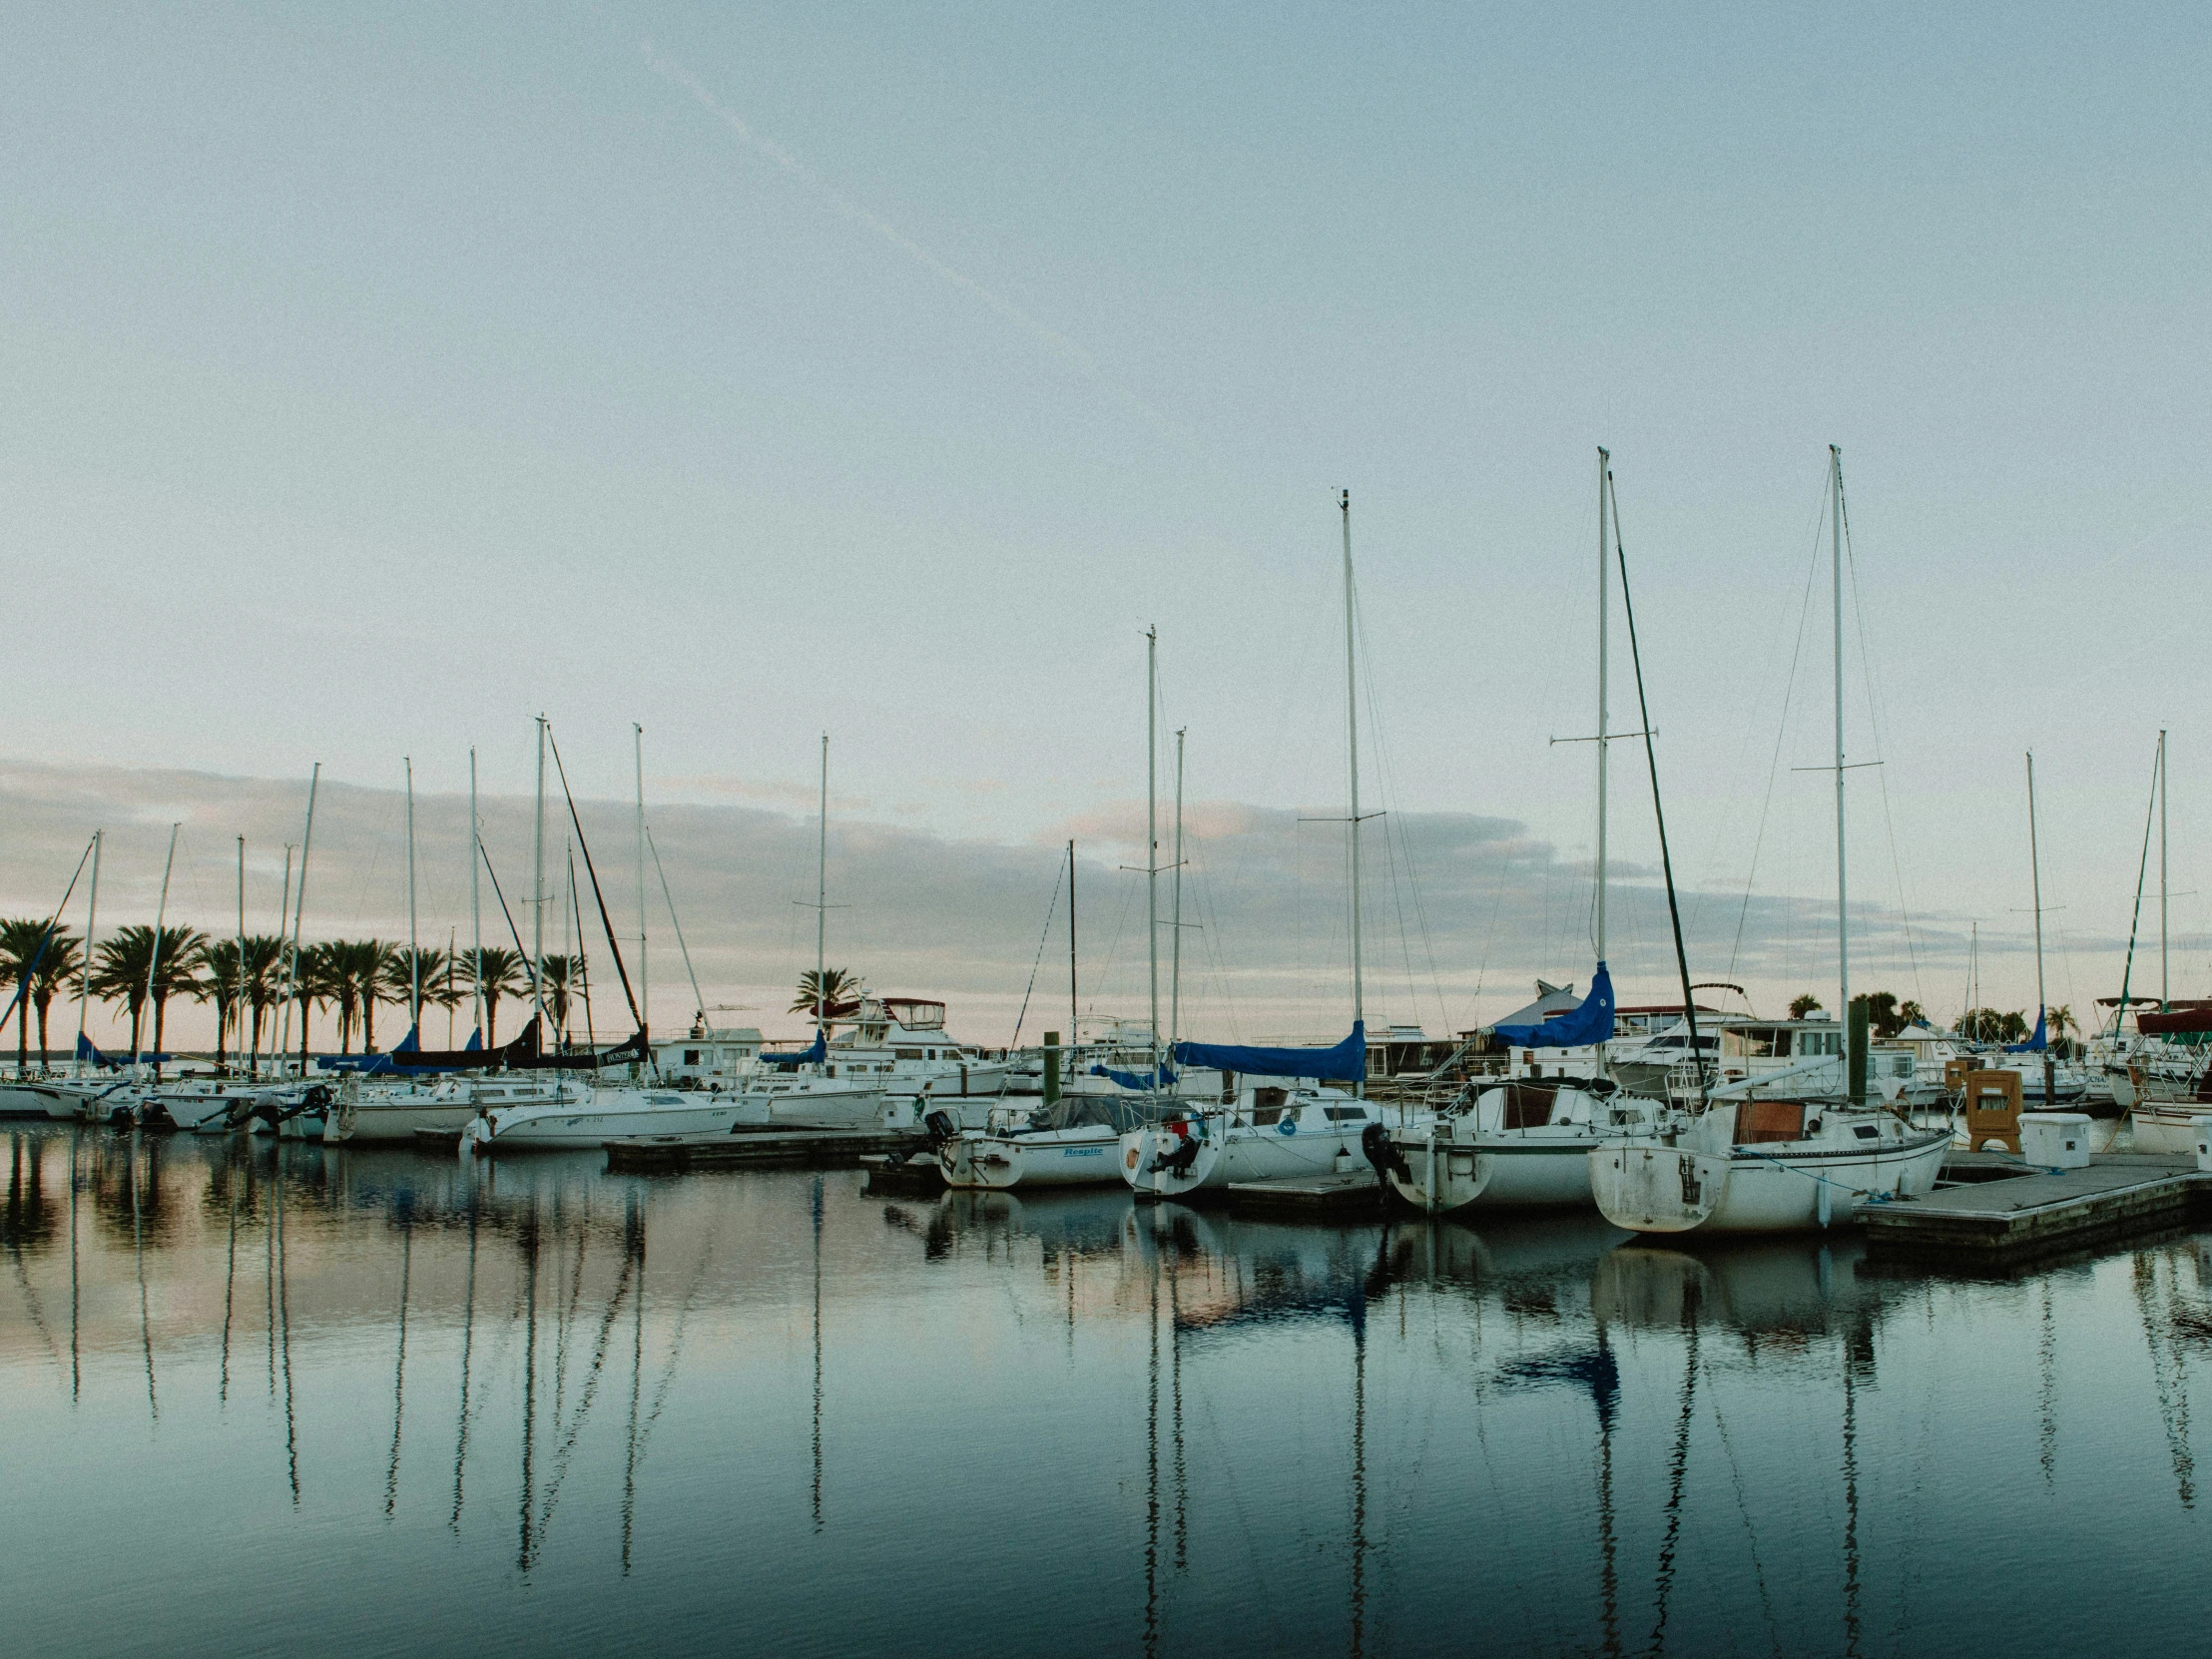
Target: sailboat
[1527,1142]
[1275,1117]
[1744,1162]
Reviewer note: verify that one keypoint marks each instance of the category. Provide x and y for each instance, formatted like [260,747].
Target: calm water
[261,1399]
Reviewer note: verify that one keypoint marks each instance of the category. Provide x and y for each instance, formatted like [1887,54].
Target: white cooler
[2055,1140]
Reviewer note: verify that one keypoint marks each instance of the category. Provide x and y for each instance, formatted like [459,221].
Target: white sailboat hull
[1235,1154]
[1496,1172]
[37,1100]
[2169,1128]
[1082,1157]
[1649,1185]
[828,1108]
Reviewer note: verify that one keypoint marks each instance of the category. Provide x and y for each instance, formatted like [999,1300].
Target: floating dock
[753,1149]
[1997,1207]
[1360,1189]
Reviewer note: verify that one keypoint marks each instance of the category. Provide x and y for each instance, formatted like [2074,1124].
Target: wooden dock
[1998,1208]
[753,1149]
[1360,1189]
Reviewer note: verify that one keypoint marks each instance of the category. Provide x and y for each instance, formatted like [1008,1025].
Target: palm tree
[1803,1005]
[319,979]
[123,966]
[1911,1013]
[265,960]
[61,964]
[837,997]
[501,971]
[2012,1027]
[366,963]
[2060,1020]
[431,970]
[560,975]
[221,958]
[23,944]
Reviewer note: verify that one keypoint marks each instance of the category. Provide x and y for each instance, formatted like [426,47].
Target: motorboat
[586,1115]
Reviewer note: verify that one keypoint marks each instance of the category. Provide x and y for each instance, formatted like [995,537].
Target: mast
[1605,460]
[154,956]
[475,905]
[1352,755]
[1152,832]
[1175,909]
[2035,874]
[414,944]
[822,898]
[1071,944]
[1843,915]
[239,992]
[284,944]
[637,755]
[537,895]
[300,906]
[2164,981]
[84,978]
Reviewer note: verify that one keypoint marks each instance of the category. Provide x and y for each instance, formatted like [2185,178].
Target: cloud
[1461,912]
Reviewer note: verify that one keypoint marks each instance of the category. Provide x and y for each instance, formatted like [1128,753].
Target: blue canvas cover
[1590,1023]
[1347,1062]
[2035,1044]
[86,1051]
[811,1055]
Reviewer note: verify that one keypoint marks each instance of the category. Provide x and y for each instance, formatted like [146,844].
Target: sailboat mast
[84,978]
[537,895]
[414,943]
[475,905]
[1175,908]
[821,898]
[154,956]
[645,983]
[299,908]
[2036,876]
[2164,981]
[1152,832]
[1352,756]
[1071,944]
[238,991]
[1604,461]
[1836,561]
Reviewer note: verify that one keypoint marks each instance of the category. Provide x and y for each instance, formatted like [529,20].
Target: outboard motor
[1374,1141]
[941,1128]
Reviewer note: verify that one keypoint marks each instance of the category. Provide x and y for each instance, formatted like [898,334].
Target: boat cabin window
[1268,1104]
[908,1053]
[691,1057]
[1758,1121]
[914,1013]
[1528,1106]
[1757,1043]
[1341,1114]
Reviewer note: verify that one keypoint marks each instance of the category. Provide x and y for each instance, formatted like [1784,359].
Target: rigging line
[1386,776]
[1051,912]
[590,869]
[1658,812]
[2142,871]
[1781,737]
[53,924]
[699,995]
[1874,720]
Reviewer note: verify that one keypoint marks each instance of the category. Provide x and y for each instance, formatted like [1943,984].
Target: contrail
[1050,339]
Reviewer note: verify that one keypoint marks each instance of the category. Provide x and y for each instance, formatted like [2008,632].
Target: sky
[379,381]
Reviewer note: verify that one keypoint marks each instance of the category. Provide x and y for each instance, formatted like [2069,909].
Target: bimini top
[1590,1022]
[1347,1062]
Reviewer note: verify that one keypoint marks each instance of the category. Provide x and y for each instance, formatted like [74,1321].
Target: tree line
[245,981]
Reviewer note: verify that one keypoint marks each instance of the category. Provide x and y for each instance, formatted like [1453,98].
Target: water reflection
[1205,1430]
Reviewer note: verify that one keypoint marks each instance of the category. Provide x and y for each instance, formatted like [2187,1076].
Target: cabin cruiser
[582,1114]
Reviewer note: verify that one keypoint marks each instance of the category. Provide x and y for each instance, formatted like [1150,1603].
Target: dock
[755,1148]
[1308,1193]
[1992,1207]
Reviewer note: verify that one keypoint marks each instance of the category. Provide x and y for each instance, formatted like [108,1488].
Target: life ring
[1285,1124]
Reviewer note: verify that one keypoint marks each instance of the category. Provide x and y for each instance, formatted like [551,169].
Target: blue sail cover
[1578,1028]
[1133,1080]
[811,1055]
[1344,1063]
[86,1051]
[2035,1044]
[409,1043]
